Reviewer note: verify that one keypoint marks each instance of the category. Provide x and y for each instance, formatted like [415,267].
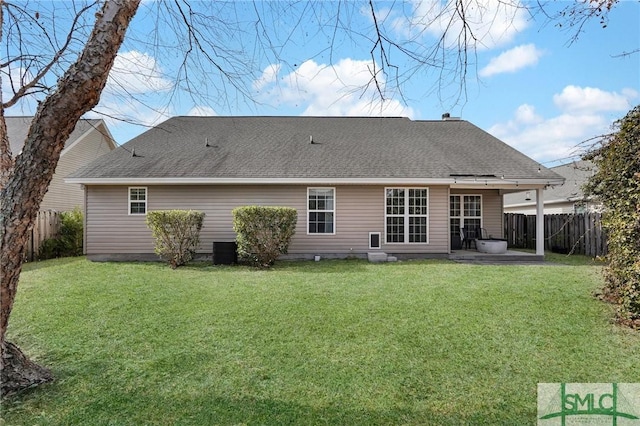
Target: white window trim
[462,217]
[335,203]
[406,214]
[146,199]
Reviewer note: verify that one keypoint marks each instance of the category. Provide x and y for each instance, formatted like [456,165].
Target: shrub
[616,183]
[71,232]
[50,248]
[69,240]
[177,234]
[264,233]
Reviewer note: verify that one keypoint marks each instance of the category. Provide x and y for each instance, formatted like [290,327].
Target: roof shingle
[343,147]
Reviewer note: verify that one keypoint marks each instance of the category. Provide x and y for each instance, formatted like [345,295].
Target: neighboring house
[89,140]
[567,198]
[359,184]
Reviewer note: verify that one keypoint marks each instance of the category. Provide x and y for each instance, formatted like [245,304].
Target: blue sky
[528,82]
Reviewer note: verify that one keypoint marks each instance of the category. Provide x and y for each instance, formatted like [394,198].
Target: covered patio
[470,252]
[511,256]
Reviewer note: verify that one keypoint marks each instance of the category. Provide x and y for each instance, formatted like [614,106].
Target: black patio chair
[469,236]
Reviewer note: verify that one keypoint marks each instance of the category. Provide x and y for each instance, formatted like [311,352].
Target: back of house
[359,184]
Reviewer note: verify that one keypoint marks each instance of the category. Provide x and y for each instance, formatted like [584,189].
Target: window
[580,207]
[321,213]
[137,200]
[407,215]
[464,211]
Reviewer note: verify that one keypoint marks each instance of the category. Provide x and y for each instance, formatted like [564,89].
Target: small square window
[137,201]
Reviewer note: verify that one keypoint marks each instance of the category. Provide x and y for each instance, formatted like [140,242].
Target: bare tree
[25,181]
[576,15]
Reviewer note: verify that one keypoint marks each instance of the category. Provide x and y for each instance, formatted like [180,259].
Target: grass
[566,259]
[331,342]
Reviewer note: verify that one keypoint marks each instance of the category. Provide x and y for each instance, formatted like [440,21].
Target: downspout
[539,222]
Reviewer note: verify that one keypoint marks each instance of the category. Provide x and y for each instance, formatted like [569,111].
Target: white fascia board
[105,132]
[533,204]
[487,184]
[67,148]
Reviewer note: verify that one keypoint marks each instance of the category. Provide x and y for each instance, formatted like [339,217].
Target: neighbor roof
[576,174]
[244,149]
[18,127]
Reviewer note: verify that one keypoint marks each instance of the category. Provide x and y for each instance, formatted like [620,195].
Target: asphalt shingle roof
[343,147]
[18,127]
[576,174]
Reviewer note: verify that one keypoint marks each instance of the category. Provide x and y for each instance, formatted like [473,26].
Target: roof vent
[311,139]
[447,117]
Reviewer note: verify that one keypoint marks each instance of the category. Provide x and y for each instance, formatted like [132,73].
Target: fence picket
[570,233]
[46,225]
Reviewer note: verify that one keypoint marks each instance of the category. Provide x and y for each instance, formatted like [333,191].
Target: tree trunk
[6,157]
[77,92]
[20,373]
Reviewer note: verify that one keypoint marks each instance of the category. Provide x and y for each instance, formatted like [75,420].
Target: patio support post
[539,222]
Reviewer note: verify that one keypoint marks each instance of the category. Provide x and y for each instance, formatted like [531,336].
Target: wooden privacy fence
[47,225]
[563,233]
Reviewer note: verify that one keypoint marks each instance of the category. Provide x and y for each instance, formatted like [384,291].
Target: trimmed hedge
[264,233]
[177,234]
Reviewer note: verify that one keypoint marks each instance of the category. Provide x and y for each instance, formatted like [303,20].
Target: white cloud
[134,72]
[526,114]
[118,112]
[576,99]
[512,60]
[269,75]
[134,92]
[493,23]
[12,81]
[584,113]
[342,89]
[201,111]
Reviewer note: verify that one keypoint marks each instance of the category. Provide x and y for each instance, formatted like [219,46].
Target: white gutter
[455,183]
[547,202]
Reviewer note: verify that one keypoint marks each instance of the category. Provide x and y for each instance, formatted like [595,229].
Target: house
[89,140]
[359,184]
[567,198]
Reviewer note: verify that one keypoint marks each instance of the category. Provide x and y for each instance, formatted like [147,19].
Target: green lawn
[331,342]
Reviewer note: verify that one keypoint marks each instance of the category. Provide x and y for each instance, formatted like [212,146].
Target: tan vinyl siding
[359,210]
[492,219]
[63,196]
